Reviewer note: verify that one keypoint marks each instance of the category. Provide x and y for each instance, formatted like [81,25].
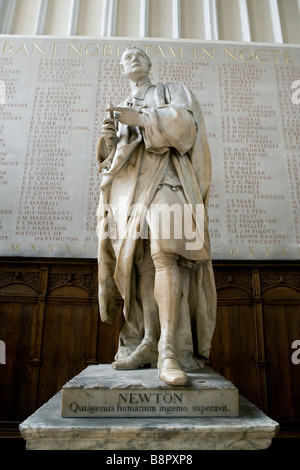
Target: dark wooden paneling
[282,327]
[65,349]
[233,351]
[50,323]
[234,345]
[15,328]
[18,308]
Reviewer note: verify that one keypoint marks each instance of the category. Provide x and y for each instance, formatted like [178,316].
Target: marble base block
[101,391]
[47,430]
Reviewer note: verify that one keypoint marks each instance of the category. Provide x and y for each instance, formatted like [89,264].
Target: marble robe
[170,151]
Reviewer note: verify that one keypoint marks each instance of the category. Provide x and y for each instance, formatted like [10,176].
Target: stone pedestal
[101,391]
[47,429]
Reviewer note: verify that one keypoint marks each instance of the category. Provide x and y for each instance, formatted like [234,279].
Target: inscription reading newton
[150,398]
[53,96]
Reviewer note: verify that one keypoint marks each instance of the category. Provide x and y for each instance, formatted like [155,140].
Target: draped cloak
[132,172]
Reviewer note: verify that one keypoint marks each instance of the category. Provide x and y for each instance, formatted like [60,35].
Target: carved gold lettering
[32,248]
[259,58]
[215,252]
[234,252]
[250,56]
[67,249]
[284,250]
[79,52]
[226,51]
[247,55]
[275,55]
[106,50]
[15,248]
[96,49]
[251,251]
[50,248]
[35,46]
[54,47]
[212,55]
[175,55]
[146,47]
[9,48]
[286,57]
[267,250]
[159,51]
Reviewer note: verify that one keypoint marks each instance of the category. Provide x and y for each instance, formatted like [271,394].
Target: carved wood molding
[277,279]
[239,280]
[31,279]
[84,281]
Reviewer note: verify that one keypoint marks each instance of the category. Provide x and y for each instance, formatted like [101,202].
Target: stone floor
[13,449]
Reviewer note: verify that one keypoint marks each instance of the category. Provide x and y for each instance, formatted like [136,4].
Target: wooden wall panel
[234,349]
[281,312]
[18,308]
[65,349]
[15,326]
[283,377]
[234,346]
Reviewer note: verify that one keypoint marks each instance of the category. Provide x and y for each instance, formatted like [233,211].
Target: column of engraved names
[290,116]
[111,88]
[196,76]
[12,108]
[249,136]
[45,204]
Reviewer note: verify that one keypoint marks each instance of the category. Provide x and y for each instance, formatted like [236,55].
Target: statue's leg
[145,276]
[146,352]
[167,291]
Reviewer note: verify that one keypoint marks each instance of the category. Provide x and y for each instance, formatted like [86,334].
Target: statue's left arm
[171,123]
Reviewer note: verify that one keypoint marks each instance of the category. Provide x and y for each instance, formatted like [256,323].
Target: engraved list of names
[53,97]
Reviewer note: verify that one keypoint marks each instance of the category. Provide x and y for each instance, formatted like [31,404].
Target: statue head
[135,63]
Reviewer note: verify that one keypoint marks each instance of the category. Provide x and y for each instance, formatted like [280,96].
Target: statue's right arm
[107,142]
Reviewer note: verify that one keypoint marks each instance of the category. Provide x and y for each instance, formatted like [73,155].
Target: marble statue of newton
[153,154]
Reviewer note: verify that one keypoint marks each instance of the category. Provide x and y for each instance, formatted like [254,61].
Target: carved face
[136,64]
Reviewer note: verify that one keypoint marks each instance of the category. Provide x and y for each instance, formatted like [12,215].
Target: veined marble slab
[47,430]
[54,93]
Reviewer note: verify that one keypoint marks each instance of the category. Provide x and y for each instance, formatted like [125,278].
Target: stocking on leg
[146,352]
[167,292]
